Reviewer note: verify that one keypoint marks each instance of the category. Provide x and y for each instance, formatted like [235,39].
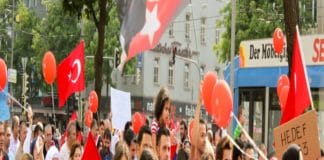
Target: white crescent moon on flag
[78,64]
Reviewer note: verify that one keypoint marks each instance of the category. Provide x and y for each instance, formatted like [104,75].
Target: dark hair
[129,137]
[101,123]
[184,124]
[93,123]
[291,153]
[147,155]
[144,130]
[182,155]
[162,97]
[248,146]
[73,149]
[236,152]
[127,125]
[322,153]
[162,132]
[107,134]
[224,144]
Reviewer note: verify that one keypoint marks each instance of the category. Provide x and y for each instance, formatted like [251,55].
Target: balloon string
[14,99]
[236,145]
[248,137]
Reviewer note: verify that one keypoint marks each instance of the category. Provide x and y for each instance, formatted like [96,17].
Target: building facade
[192,36]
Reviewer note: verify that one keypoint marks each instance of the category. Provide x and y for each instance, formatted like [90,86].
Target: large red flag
[144,22]
[90,150]
[70,74]
[299,96]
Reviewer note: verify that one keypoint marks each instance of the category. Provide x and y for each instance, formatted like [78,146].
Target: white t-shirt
[64,152]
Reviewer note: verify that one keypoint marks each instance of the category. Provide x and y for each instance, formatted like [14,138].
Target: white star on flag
[152,24]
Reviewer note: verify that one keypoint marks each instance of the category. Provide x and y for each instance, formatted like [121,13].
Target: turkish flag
[299,95]
[143,23]
[90,149]
[70,74]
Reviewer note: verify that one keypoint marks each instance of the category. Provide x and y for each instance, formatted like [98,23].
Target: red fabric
[70,74]
[90,149]
[299,97]
[173,151]
[166,11]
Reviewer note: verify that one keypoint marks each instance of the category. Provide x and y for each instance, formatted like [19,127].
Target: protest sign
[303,131]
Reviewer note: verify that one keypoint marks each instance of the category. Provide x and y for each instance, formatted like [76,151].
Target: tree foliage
[255,19]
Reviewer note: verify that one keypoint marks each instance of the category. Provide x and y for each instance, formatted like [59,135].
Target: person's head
[15,126]
[163,143]
[183,130]
[122,152]
[241,116]
[130,139]
[76,152]
[101,128]
[249,152]
[7,136]
[210,135]
[94,128]
[38,130]
[71,134]
[36,148]
[162,106]
[127,126]
[148,154]
[48,132]
[217,136]
[22,131]
[237,154]
[224,149]
[106,139]
[209,152]
[202,136]
[263,148]
[293,152]
[2,137]
[182,154]
[26,156]
[144,138]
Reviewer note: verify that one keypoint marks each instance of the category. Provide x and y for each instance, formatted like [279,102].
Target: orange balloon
[49,67]
[137,122]
[3,75]
[278,41]
[222,102]
[282,81]
[93,101]
[88,117]
[283,97]
[207,89]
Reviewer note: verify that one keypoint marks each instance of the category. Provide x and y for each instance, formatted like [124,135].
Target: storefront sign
[260,53]
[167,49]
[302,131]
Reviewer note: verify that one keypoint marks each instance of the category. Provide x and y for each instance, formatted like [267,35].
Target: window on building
[171,30]
[170,77]
[186,76]
[202,72]
[203,31]
[156,71]
[217,36]
[187,28]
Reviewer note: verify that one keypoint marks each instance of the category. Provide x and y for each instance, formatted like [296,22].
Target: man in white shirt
[14,138]
[71,139]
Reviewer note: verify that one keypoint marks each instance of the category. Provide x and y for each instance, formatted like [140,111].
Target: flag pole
[304,67]
[53,104]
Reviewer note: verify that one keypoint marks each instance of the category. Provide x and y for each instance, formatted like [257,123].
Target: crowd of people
[158,140]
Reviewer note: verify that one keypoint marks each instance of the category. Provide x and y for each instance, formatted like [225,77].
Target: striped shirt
[155,127]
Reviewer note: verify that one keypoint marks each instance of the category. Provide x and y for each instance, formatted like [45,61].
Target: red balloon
[282,81]
[88,117]
[137,122]
[49,67]
[93,101]
[222,103]
[207,89]
[3,75]
[278,41]
[283,97]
